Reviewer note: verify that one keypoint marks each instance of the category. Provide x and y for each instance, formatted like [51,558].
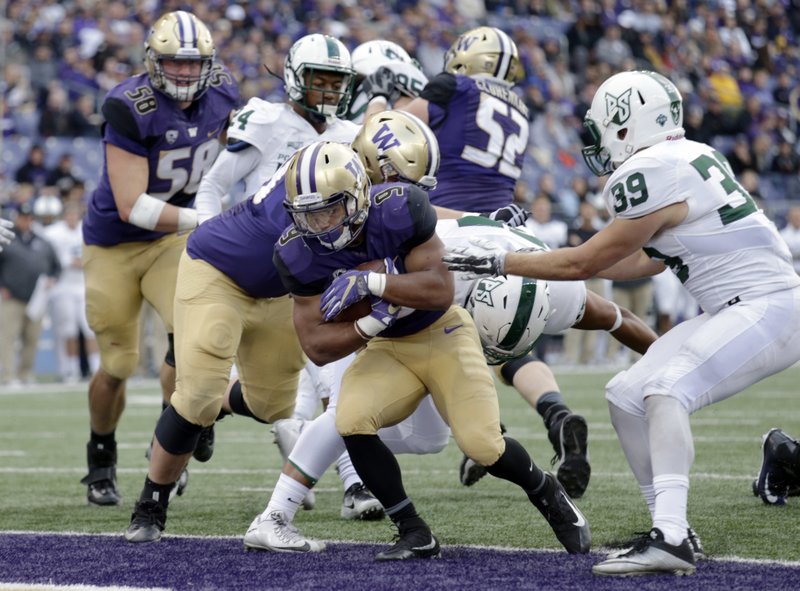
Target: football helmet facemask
[397,146]
[313,54]
[631,111]
[510,313]
[179,36]
[485,50]
[327,193]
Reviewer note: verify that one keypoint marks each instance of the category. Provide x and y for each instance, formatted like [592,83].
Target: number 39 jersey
[180,146]
[726,248]
[482,128]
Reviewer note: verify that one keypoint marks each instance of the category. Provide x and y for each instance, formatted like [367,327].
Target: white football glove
[6,233]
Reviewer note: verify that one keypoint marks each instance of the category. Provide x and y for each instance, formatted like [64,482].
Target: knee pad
[175,434]
[119,363]
[238,404]
[169,358]
[510,368]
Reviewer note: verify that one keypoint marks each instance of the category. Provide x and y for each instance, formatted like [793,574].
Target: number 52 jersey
[180,146]
[726,248]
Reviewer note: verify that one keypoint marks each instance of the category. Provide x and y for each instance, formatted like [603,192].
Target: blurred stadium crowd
[736,62]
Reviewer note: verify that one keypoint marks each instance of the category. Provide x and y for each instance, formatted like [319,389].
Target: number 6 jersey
[726,248]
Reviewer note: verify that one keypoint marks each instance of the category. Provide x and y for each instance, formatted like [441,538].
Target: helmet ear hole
[622,133]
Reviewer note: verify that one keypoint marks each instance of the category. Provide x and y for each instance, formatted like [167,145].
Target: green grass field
[42,458]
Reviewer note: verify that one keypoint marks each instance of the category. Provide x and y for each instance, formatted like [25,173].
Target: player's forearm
[556,265]
[634,333]
[422,290]
[331,341]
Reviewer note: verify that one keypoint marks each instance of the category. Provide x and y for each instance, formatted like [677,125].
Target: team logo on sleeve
[171,136]
[619,107]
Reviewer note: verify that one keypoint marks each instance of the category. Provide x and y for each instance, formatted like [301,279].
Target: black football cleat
[414,540]
[570,442]
[567,521]
[205,445]
[779,467]
[102,477]
[147,522]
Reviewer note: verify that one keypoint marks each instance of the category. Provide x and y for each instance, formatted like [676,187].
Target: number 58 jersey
[180,145]
[726,248]
[482,128]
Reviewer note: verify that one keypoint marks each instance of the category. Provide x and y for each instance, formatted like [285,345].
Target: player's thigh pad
[710,358]
[208,326]
[113,302]
[159,281]
[462,387]
[270,359]
[377,390]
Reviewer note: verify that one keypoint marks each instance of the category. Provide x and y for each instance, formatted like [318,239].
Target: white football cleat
[651,555]
[358,503]
[276,533]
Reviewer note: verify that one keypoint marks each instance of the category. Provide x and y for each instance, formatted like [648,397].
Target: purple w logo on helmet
[384,139]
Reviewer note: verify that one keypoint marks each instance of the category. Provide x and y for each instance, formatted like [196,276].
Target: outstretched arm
[624,325]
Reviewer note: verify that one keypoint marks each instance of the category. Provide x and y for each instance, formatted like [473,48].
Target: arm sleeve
[228,169]
[440,90]
[120,128]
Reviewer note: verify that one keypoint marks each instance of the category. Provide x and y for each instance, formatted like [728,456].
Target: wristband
[187,219]
[146,212]
[618,321]
[368,327]
[376,283]
[379,101]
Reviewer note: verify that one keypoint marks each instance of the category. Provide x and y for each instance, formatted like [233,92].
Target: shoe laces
[284,529]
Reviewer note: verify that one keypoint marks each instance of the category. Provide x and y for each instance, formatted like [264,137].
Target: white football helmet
[319,53]
[327,193]
[179,36]
[397,146]
[485,50]
[631,111]
[510,314]
[371,55]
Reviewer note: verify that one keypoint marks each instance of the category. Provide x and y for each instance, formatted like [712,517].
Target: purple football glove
[383,315]
[347,289]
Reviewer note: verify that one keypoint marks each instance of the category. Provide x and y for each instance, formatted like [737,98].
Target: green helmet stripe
[333,47]
[527,296]
[668,87]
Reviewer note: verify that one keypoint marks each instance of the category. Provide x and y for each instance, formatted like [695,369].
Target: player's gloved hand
[481,260]
[408,79]
[383,315]
[380,83]
[511,215]
[347,289]
[6,233]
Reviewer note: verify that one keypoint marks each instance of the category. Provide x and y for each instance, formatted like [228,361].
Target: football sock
[287,497]
[347,473]
[379,470]
[552,408]
[516,465]
[156,492]
[107,441]
[671,492]
[634,437]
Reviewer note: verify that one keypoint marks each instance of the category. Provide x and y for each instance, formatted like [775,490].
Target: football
[362,307]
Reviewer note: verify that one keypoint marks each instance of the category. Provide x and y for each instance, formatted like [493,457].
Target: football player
[413,334]
[675,203]
[406,75]
[318,76]
[162,133]
[481,124]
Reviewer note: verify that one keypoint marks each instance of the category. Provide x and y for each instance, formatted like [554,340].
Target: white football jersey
[68,244]
[278,132]
[567,298]
[726,248]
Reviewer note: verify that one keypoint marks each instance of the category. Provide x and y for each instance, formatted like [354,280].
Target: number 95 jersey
[180,146]
[482,128]
[726,248]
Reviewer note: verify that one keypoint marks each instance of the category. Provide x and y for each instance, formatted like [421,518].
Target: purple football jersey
[180,146]
[240,241]
[482,127]
[400,218]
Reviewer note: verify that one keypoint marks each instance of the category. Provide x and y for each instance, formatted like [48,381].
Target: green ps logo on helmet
[619,107]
